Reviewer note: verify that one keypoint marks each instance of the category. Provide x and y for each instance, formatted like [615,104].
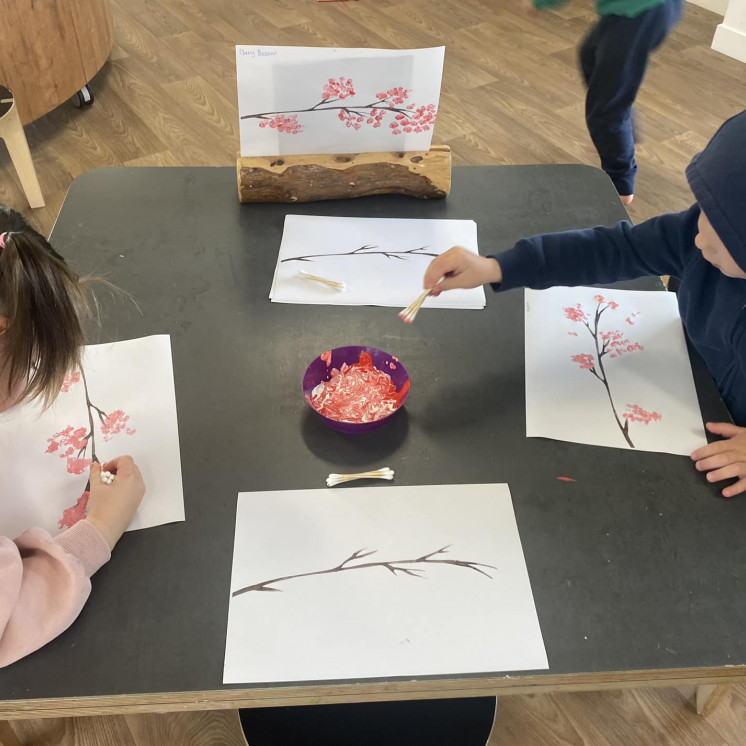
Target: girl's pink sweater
[44,583]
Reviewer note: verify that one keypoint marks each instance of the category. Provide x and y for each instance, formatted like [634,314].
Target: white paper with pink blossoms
[297,100]
[47,454]
[610,368]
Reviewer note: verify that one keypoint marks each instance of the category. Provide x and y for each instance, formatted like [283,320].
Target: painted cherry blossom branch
[355,109]
[613,344]
[70,439]
[393,566]
[365,251]
[603,377]
[407,118]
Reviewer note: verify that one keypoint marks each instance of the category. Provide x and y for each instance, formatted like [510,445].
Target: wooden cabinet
[50,49]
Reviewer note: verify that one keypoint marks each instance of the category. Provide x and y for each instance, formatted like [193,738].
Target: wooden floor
[511,90]
[652,717]
[511,94]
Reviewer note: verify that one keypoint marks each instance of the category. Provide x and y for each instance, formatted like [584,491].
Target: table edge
[320,693]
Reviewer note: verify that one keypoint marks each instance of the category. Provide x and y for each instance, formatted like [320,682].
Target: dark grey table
[636,567]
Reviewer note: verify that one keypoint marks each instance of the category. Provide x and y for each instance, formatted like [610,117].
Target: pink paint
[357,393]
[78,465]
[586,361]
[283,123]
[70,438]
[637,414]
[115,423]
[567,479]
[326,357]
[75,513]
[70,380]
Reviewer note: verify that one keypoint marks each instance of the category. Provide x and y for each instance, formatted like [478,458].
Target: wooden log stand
[309,178]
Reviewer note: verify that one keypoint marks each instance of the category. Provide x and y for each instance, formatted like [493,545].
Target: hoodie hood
[717,177]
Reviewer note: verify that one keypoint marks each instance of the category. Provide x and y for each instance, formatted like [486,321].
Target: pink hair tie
[3,236]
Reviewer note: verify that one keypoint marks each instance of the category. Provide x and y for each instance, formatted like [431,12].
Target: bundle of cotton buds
[334,479]
[107,477]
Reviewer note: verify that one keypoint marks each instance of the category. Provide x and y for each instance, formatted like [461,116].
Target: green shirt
[627,8]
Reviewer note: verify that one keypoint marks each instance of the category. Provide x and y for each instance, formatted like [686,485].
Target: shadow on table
[492,397]
[365,449]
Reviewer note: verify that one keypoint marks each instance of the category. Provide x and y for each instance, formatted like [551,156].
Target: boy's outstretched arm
[658,246]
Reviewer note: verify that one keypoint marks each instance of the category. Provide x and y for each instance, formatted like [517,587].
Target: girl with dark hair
[45,580]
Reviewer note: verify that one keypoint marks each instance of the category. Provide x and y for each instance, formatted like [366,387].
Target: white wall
[716,6]
[730,35]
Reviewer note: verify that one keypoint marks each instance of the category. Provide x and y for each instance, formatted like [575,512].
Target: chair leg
[8,736]
[11,130]
[708,696]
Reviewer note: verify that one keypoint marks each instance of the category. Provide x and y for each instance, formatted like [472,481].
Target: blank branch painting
[302,100]
[377,261]
[121,401]
[609,367]
[414,567]
[370,583]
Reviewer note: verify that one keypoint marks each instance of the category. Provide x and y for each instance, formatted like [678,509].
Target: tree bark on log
[309,178]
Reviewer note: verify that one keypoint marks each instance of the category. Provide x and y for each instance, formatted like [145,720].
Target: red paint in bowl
[321,369]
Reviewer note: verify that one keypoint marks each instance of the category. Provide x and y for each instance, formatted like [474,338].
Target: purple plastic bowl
[319,371]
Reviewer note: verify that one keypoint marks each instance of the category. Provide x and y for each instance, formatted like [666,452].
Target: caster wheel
[83,97]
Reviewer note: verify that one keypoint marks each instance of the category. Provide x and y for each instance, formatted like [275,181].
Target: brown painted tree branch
[600,352]
[91,437]
[364,251]
[393,566]
[349,108]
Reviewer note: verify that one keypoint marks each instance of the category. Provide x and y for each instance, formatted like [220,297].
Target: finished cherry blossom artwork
[610,368]
[311,100]
[400,581]
[121,401]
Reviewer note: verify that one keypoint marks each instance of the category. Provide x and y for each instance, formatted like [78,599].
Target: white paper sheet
[645,367]
[382,261]
[45,473]
[332,100]
[377,621]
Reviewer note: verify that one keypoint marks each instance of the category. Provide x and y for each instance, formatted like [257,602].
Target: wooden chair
[11,130]
[8,735]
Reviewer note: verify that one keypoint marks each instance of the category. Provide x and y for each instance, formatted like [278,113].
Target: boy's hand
[461,268]
[725,459]
[111,507]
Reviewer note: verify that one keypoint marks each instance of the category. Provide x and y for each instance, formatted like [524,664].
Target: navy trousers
[613,60]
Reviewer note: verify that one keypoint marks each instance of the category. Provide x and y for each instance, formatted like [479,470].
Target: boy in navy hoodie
[704,247]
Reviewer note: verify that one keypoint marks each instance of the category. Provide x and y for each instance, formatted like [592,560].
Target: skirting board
[730,41]
[716,6]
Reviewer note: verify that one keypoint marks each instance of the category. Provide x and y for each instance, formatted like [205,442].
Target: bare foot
[626,198]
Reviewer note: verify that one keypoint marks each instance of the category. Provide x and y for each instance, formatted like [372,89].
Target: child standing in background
[613,60]
[45,580]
